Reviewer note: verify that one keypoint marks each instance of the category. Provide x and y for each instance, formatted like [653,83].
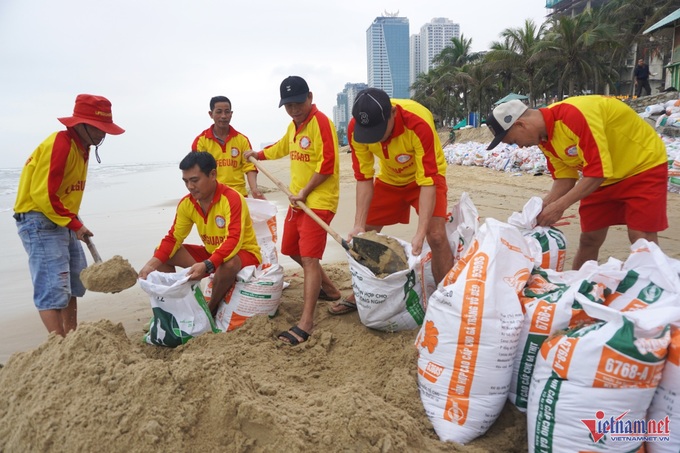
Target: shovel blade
[377,257]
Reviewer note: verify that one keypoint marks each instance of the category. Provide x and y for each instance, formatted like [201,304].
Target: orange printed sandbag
[550,304]
[548,245]
[468,340]
[666,402]
[263,214]
[257,290]
[649,279]
[462,225]
[592,385]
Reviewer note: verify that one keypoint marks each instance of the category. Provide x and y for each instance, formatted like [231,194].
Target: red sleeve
[328,143]
[232,243]
[58,159]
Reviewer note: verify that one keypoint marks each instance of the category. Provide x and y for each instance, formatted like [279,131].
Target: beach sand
[349,388]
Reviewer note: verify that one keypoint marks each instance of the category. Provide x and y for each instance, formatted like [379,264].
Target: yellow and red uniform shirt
[601,137]
[413,151]
[231,167]
[225,230]
[313,148]
[53,179]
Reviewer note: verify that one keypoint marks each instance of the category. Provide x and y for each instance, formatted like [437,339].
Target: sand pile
[110,276]
[474,134]
[347,389]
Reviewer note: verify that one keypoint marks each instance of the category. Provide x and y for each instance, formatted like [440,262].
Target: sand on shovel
[110,276]
[392,260]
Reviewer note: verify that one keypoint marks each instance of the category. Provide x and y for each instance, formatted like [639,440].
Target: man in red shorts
[312,145]
[401,134]
[599,152]
[223,222]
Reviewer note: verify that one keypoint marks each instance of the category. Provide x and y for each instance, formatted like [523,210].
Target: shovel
[370,253]
[111,276]
[93,250]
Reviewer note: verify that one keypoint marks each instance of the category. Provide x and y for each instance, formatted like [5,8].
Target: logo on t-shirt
[234,152]
[220,222]
[403,158]
[572,151]
[305,142]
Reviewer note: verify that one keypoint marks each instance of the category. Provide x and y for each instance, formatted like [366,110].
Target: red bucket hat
[95,111]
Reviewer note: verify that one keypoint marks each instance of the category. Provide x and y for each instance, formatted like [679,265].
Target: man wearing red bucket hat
[46,210]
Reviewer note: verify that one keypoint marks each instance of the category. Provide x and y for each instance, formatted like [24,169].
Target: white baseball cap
[502,118]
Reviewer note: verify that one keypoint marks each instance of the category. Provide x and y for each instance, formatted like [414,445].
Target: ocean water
[99,176]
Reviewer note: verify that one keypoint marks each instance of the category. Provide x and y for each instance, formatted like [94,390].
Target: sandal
[324,296]
[342,307]
[292,339]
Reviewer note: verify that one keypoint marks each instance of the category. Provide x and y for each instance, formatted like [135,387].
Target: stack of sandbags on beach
[604,364]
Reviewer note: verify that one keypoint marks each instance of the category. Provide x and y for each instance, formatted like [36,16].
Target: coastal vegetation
[592,52]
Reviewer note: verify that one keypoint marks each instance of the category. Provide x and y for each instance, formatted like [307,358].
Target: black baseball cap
[293,89]
[371,111]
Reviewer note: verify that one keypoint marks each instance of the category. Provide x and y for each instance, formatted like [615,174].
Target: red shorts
[639,202]
[392,204]
[302,236]
[200,254]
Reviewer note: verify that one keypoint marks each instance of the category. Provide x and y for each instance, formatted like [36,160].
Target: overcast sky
[160,62]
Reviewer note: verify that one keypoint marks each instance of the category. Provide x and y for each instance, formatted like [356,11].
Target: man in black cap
[401,134]
[312,145]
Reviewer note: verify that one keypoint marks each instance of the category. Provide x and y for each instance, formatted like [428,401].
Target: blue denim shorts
[55,259]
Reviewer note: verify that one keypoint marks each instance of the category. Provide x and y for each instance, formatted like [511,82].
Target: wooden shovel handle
[93,249]
[302,206]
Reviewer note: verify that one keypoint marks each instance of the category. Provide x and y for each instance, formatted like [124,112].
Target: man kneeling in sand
[223,222]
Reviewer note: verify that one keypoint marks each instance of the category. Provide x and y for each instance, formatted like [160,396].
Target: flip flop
[324,296]
[292,340]
[344,306]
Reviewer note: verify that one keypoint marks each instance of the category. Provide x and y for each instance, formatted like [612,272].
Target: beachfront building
[414,61]
[342,111]
[434,36]
[387,49]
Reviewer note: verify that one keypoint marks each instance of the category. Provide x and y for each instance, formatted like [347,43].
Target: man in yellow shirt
[227,146]
[601,154]
[223,222]
[46,210]
[312,144]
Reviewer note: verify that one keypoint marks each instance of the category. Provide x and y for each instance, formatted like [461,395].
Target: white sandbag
[649,279]
[263,214]
[180,312]
[548,245]
[257,290]
[666,402]
[392,303]
[587,378]
[469,338]
[550,306]
[462,225]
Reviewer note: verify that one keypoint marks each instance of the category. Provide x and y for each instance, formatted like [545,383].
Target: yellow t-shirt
[413,151]
[601,137]
[231,166]
[53,179]
[313,148]
[225,230]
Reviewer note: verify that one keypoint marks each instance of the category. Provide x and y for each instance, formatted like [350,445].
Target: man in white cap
[600,153]
[46,210]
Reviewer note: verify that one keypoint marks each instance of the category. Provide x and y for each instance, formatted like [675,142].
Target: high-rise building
[414,60]
[387,45]
[433,37]
[342,112]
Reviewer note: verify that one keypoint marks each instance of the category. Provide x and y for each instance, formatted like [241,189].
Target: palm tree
[518,52]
